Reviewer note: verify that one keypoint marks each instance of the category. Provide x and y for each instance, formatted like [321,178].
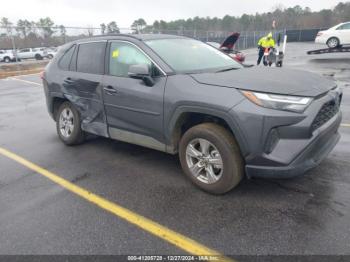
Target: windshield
[191,56]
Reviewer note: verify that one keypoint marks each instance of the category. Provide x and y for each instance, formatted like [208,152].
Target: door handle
[68,80]
[110,90]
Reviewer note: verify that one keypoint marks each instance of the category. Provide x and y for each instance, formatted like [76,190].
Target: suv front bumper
[282,144]
[317,149]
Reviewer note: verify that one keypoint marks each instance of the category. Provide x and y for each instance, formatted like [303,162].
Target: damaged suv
[224,121]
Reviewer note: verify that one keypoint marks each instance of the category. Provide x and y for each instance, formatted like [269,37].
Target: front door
[134,110]
[344,34]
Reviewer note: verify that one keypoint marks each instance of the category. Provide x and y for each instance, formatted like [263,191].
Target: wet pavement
[304,215]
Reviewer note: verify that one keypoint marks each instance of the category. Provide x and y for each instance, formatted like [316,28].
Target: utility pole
[13,45]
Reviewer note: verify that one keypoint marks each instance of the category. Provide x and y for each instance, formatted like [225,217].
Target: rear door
[81,85]
[134,110]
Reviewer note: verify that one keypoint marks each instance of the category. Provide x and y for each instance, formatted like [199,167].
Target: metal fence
[247,39]
[13,38]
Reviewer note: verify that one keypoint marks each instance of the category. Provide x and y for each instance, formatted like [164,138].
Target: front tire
[211,159]
[333,42]
[68,124]
[7,60]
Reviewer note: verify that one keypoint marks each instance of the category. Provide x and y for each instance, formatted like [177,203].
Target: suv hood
[269,80]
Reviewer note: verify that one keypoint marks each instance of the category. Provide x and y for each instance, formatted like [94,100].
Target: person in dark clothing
[261,51]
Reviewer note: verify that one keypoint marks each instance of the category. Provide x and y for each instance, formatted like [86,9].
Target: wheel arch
[57,101]
[186,117]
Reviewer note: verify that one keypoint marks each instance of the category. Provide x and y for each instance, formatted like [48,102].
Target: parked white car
[335,36]
[37,53]
[7,56]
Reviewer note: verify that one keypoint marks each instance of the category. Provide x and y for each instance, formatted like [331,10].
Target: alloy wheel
[66,122]
[204,161]
[333,42]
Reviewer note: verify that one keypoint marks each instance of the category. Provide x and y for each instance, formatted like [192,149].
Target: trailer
[342,49]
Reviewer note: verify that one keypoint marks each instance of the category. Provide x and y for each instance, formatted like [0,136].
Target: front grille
[327,111]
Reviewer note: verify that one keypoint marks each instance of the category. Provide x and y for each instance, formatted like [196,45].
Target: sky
[94,12]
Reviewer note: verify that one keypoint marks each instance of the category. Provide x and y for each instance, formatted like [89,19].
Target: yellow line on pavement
[179,240]
[345,125]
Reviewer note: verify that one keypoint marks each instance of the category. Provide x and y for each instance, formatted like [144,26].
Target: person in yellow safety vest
[265,42]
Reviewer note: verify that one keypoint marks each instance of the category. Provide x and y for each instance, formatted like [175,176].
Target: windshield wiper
[226,69]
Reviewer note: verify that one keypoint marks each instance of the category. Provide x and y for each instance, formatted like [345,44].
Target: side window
[122,55]
[91,58]
[64,62]
[73,62]
[344,26]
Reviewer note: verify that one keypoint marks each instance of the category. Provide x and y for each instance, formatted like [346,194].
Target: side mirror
[141,71]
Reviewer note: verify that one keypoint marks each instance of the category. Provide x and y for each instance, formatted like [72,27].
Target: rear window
[66,58]
[91,58]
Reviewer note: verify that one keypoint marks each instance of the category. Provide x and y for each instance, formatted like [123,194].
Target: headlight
[279,102]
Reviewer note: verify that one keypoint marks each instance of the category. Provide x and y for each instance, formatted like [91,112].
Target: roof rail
[116,34]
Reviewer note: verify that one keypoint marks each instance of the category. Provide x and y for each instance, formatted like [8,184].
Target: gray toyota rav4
[180,95]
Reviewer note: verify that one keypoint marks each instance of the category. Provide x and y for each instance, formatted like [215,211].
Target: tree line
[286,18]
[45,32]
[45,28]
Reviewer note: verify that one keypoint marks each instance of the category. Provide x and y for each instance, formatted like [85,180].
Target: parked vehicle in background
[32,53]
[7,56]
[227,46]
[180,95]
[335,36]
[51,52]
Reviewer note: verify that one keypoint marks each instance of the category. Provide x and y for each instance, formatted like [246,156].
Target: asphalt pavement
[301,216]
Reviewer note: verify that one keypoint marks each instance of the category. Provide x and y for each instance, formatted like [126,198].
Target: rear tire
[333,42]
[68,124]
[7,60]
[38,57]
[223,160]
